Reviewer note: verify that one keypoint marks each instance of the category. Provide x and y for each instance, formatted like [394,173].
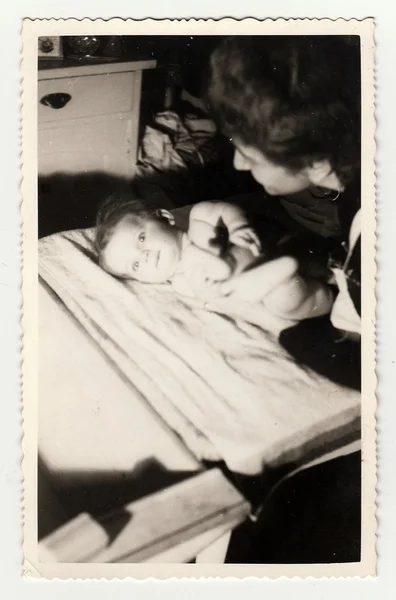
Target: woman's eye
[142,237]
[135,265]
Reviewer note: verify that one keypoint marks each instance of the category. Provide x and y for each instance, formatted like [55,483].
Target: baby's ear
[162,213]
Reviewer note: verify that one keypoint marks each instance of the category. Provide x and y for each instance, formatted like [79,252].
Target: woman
[291,107]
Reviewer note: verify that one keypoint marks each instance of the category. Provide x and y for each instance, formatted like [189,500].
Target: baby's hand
[210,290]
[246,237]
[204,287]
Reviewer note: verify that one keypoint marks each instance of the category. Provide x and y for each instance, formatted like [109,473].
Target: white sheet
[90,425]
[226,387]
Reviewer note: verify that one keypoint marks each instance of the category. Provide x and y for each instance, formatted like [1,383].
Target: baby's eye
[142,237]
[135,265]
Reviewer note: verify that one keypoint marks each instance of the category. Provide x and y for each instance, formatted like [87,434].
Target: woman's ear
[162,213]
[321,174]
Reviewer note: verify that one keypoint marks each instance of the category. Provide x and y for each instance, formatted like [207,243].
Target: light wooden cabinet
[88,118]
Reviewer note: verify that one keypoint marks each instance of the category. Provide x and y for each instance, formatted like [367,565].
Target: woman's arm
[278,285]
[300,298]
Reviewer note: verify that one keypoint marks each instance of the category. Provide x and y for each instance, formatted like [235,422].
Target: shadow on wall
[68,201]
[71,201]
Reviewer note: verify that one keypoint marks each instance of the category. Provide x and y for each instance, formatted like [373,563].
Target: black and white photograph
[199,215]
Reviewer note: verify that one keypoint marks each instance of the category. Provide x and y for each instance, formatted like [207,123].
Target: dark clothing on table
[313,517]
[316,342]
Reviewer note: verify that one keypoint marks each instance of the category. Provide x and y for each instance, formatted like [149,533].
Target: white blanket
[225,386]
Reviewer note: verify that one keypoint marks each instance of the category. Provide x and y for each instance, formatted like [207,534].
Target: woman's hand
[245,237]
[255,284]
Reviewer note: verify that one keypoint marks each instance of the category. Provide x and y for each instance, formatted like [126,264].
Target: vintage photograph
[198,381]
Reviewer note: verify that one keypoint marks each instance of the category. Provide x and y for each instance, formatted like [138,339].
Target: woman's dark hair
[113,210]
[294,98]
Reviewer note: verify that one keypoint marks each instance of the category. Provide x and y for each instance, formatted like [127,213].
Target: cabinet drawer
[107,146]
[91,96]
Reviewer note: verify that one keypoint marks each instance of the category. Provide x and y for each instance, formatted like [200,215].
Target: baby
[135,243]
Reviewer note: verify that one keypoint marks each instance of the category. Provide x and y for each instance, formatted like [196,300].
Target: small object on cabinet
[50,46]
[86,46]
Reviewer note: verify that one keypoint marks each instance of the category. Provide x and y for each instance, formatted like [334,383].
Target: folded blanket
[175,142]
[225,386]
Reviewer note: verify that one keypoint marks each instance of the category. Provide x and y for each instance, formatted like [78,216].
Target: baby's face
[147,250]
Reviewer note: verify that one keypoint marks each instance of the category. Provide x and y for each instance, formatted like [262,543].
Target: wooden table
[94,429]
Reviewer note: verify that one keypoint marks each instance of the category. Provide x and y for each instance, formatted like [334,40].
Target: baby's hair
[110,214]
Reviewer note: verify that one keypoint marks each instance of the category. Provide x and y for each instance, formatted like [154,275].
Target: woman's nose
[240,162]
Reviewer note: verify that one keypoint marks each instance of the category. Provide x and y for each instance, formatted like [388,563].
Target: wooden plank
[216,552]
[175,515]
[154,525]
[76,541]
[203,548]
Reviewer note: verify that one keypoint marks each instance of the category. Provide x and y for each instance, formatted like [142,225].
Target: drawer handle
[56,101]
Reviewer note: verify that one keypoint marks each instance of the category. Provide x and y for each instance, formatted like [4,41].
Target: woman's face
[276,180]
